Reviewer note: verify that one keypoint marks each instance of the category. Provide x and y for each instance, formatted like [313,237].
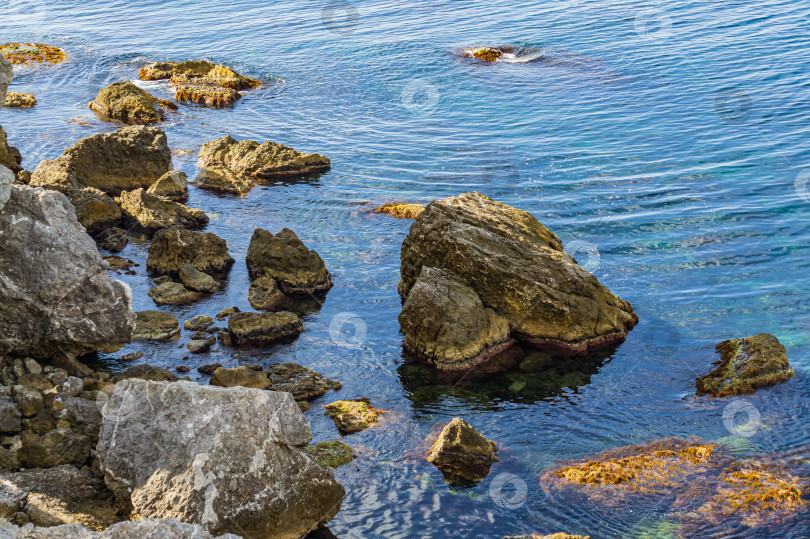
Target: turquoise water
[664,143]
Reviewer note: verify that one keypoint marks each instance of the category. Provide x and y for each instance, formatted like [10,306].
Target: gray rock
[148,528]
[6,74]
[55,289]
[227,459]
[126,159]
[6,179]
[10,417]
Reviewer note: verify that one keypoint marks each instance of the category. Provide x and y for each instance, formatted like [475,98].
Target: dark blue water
[666,148]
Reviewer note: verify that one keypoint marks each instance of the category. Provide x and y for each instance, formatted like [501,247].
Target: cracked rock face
[519,270]
[55,289]
[126,159]
[230,460]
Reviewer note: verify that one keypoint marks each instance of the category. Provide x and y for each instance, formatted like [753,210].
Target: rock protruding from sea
[153,212]
[55,289]
[519,270]
[746,364]
[446,325]
[200,81]
[268,160]
[129,158]
[20,100]
[172,185]
[263,328]
[125,102]
[297,269]
[462,453]
[173,248]
[230,460]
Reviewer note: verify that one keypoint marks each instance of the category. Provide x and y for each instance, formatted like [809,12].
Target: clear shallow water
[672,149]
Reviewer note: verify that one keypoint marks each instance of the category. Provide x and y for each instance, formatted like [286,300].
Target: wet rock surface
[263,328]
[68,304]
[223,180]
[154,213]
[283,257]
[127,159]
[242,470]
[331,454]
[265,161]
[240,376]
[446,324]
[519,269]
[20,100]
[172,293]
[303,383]
[201,82]
[462,454]
[155,326]
[401,210]
[352,415]
[746,364]
[264,294]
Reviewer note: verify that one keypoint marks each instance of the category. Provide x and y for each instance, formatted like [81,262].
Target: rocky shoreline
[86,453]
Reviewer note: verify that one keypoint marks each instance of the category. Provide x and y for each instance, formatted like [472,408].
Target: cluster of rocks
[477,274]
[201,82]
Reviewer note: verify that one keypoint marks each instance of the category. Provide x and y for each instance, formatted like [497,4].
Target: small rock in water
[331,454]
[264,294]
[125,102]
[401,210]
[198,346]
[154,212]
[198,322]
[746,364]
[119,263]
[182,368]
[32,54]
[225,337]
[209,369]
[145,372]
[265,161]
[16,99]
[222,315]
[262,328]
[352,416]
[155,326]
[283,257]
[303,383]
[462,454]
[162,279]
[172,248]
[240,376]
[131,357]
[173,294]
[194,279]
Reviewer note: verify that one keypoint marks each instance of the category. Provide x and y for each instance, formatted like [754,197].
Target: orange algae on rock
[487,54]
[31,54]
[401,210]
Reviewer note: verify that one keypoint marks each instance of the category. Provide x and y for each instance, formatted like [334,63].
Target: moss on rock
[352,415]
[331,454]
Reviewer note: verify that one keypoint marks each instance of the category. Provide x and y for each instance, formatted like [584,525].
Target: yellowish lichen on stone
[352,416]
[401,210]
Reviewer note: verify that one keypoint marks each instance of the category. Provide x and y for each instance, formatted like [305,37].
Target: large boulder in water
[126,159]
[283,257]
[229,459]
[173,248]
[446,324]
[266,160]
[519,269]
[55,289]
[125,102]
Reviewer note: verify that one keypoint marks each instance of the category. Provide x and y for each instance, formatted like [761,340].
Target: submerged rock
[461,453]
[303,383]
[155,326]
[352,416]
[125,102]
[746,364]
[173,248]
[32,54]
[126,159]
[401,210]
[172,293]
[227,459]
[296,269]
[153,212]
[262,328]
[67,303]
[267,160]
[331,454]
[172,185]
[198,323]
[446,325]
[241,376]
[519,269]
[264,294]
[223,180]
[19,100]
